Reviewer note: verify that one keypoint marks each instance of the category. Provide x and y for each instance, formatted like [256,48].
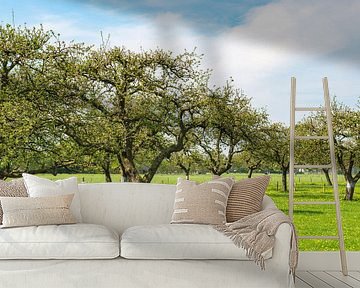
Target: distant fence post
[277,185]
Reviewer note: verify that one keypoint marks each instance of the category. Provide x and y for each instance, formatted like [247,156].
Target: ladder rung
[311,137]
[315,203]
[309,109]
[313,166]
[319,237]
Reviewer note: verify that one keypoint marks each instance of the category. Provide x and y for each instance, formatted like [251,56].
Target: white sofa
[118,206]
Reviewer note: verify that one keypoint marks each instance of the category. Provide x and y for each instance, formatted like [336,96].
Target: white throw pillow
[41,187]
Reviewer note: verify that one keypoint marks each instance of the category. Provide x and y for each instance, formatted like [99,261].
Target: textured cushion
[246,197]
[201,203]
[73,241]
[182,241]
[14,188]
[26,211]
[41,187]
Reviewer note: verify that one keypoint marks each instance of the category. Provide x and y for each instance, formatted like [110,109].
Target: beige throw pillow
[201,203]
[14,188]
[246,197]
[27,211]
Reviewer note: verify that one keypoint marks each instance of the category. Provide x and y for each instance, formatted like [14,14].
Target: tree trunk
[107,175]
[250,172]
[350,189]
[106,164]
[54,170]
[327,176]
[185,169]
[350,179]
[283,179]
[130,175]
[128,170]
[216,171]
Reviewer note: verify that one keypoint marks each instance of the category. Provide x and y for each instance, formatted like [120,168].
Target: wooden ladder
[327,109]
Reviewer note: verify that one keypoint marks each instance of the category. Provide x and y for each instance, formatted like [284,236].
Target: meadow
[309,219]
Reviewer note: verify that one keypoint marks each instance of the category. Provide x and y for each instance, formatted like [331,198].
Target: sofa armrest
[279,263]
[281,248]
[282,244]
[267,203]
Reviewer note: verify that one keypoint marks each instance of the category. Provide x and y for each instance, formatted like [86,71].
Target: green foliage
[136,108]
[20,51]
[189,160]
[251,159]
[272,146]
[68,106]
[146,102]
[346,138]
[231,127]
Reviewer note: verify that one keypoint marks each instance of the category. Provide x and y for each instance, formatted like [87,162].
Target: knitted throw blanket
[256,234]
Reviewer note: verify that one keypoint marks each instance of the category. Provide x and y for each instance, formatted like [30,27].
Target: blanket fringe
[239,242]
[256,233]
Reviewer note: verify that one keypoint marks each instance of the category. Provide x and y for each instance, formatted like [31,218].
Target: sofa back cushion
[122,205]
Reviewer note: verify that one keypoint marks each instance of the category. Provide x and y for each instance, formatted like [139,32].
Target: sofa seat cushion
[73,241]
[180,241]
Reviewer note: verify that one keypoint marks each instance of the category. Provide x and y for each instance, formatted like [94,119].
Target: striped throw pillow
[201,203]
[14,188]
[246,197]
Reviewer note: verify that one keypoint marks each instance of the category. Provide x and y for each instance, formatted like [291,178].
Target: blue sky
[260,43]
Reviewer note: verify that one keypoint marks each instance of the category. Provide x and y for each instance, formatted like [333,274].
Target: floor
[327,279]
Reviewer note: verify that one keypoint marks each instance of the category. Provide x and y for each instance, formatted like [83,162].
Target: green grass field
[309,220]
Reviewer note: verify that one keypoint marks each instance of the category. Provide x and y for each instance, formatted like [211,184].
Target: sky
[261,44]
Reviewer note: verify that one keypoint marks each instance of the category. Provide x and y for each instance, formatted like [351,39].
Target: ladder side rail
[335,177]
[292,148]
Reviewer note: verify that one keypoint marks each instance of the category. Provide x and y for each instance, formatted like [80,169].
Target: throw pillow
[41,187]
[201,203]
[27,211]
[14,188]
[246,197]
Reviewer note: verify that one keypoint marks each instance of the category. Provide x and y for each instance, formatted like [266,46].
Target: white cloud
[70,29]
[279,40]
[322,27]
[167,31]
[307,39]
